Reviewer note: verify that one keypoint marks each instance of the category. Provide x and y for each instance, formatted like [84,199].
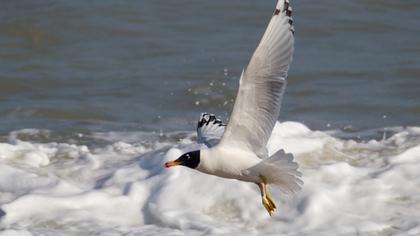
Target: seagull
[238,150]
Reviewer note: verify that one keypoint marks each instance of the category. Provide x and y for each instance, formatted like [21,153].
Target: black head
[189,159]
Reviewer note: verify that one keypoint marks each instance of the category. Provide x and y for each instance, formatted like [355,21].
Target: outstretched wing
[262,85]
[209,130]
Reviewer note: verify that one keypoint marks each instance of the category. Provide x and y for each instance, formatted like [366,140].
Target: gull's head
[189,159]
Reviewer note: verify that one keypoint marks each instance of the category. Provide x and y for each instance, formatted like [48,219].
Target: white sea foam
[365,188]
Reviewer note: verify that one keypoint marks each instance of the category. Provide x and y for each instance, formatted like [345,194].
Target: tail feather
[280,170]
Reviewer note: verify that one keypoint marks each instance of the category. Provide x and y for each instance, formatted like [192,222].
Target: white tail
[280,170]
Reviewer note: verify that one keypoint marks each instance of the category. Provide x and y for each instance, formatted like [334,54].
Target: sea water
[114,183]
[96,96]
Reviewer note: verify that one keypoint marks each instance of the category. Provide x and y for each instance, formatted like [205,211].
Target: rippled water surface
[151,65]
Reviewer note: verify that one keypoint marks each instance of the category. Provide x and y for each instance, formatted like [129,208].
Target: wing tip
[283,6]
[209,129]
[207,118]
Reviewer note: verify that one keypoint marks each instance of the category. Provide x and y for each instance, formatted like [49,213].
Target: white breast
[227,163]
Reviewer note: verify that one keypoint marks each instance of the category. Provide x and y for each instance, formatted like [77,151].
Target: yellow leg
[270,200]
[265,203]
[267,194]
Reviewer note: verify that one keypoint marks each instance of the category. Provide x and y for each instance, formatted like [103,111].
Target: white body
[214,161]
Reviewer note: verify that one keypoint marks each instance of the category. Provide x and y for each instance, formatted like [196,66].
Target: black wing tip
[206,119]
[287,9]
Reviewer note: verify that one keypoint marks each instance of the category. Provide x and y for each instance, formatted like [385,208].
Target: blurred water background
[155,65]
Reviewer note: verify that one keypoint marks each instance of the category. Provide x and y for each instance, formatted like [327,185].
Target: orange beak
[172,163]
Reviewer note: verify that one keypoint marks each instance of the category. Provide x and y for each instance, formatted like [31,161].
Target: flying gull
[238,150]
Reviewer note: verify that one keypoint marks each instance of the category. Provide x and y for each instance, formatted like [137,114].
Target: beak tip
[168,164]
[171,163]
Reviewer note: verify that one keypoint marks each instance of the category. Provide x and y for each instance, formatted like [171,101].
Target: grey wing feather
[209,130]
[262,84]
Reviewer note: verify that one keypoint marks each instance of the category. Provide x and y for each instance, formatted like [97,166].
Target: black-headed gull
[238,150]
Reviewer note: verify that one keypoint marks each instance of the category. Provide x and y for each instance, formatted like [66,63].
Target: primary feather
[209,130]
